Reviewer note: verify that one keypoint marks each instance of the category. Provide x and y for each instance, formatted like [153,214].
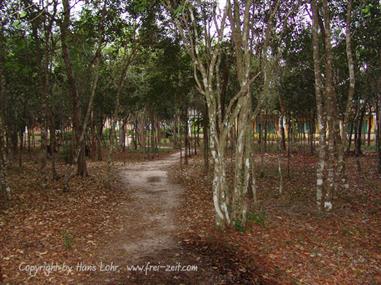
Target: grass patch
[258,218]
[68,239]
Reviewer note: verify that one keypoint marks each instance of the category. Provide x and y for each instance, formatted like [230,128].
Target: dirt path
[150,221]
[148,236]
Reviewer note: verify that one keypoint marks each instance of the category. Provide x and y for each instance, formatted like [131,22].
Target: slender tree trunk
[205,130]
[21,139]
[72,86]
[79,148]
[265,132]
[358,142]
[351,90]
[196,133]
[335,146]
[153,140]
[53,145]
[186,136]
[311,135]
[280,168]
[93,137]
[99,134]
[320,108]
[370,119]
[5,190]
[289,144]
[242,172]
[43,68]
[29,140]
[282,133]
[378,134]
[4,186]
[350,136]
[122,135]
[119,88]
[219,185]
[378,114]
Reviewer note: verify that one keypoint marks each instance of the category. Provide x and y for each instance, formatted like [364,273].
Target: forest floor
[287,240]
[147,248]
[156,217]
[124,232]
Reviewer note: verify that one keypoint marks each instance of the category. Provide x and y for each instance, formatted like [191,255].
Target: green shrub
[257,217]
[106,133]
[68,136]
[239,226]
[67,153]
[68,239]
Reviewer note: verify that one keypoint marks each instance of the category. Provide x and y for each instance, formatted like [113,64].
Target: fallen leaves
[47,225]
[297,245]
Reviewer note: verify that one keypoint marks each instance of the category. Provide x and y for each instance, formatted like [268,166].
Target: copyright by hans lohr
[48,268]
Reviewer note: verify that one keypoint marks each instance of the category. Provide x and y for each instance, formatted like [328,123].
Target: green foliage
[258,218]
[66,153]
[68,239]
[68,136]
[106,134]
[239,226]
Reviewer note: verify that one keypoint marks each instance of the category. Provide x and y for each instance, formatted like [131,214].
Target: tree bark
[320,108]
[73,91]
[205,130]
[370,119]
[378,113]
[351,90]
[79,150]
[5,190]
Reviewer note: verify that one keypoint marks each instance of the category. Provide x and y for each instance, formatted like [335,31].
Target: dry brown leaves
[47,226]
[295,244]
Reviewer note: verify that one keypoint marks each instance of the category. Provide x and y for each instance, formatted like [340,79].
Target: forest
[190,142]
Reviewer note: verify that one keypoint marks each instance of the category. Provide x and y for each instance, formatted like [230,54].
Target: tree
[4,188]
[195,23]
[73,90]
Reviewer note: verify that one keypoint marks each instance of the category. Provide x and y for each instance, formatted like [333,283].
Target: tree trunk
[350,136]
[335,147]
[265,132]
[243,161]
[122,135]
[351,90]
[53,145]
[99,134]
[282,133]
[4,187]
[219,185]
[312,135]
[79,154]
[289,144]
[73,91]
[370,118]
[186,136]
[205,130]
[21,148]
[358,141]
[319,107]
[378,134]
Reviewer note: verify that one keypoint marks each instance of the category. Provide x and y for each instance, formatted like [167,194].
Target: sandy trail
[151,224]
[148,235]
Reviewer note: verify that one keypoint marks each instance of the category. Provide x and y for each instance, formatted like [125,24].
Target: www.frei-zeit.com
[49,268]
